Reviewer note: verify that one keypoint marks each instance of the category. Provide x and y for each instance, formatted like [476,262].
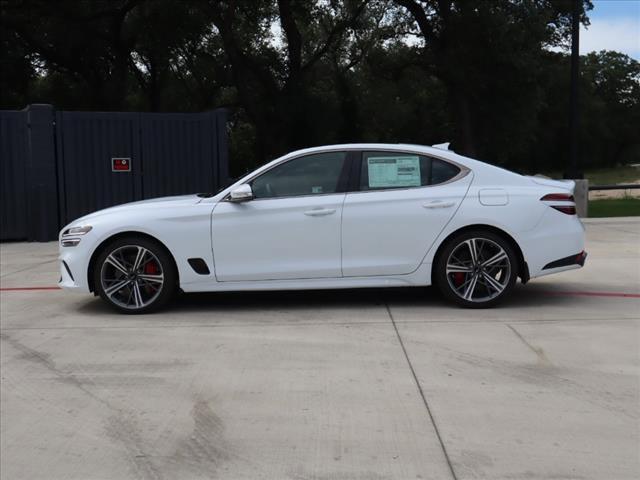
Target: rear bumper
[553,244]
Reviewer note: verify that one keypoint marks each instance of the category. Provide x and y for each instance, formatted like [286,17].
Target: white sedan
[341,216]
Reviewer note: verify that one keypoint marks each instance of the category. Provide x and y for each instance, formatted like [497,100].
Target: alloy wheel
[478,270]
[132,277]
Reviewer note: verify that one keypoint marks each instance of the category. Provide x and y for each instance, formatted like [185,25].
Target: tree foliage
[297,73]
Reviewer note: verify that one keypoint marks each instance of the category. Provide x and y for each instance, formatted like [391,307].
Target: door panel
[291,229]
[276,239]
[388,232]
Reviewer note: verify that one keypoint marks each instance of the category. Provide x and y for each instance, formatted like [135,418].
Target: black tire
[484,292]
[157,295]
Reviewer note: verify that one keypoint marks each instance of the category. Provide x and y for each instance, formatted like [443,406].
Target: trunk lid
[569,185]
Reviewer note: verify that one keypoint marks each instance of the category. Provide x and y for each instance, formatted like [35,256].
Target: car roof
[375,146]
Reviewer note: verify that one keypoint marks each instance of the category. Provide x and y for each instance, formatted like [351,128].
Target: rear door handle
[438,204]
[319,212]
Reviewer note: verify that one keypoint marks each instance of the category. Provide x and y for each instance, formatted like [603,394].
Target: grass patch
[607,176]
[614,207]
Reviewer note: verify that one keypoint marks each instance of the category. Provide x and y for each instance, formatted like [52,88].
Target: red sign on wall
[120,164]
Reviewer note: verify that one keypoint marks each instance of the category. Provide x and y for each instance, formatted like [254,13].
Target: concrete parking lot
[370,384]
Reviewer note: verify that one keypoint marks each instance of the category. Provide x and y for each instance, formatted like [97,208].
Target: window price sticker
[386,172]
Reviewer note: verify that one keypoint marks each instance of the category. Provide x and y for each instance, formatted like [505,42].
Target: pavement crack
[422,395]
[30,267]
[45,361]
[540,355]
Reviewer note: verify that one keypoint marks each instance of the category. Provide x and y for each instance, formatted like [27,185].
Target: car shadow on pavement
[309,299]
[522,295]
[288,300]
[427,297]
[529,296]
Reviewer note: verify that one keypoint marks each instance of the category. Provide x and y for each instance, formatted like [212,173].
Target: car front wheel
[135,275]
[476,269]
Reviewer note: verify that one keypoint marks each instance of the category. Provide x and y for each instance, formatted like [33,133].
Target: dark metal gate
[58,166]
[13,157]
[86,142]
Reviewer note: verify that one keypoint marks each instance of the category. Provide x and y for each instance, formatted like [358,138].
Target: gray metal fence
[58,166]
[13,167]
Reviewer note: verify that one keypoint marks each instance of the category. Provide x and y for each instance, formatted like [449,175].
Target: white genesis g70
[341,216]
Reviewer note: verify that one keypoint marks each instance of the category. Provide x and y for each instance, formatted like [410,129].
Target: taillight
[558,197]
[561,197]
[567,210]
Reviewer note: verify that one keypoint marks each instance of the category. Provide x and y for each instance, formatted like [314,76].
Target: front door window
[314,174]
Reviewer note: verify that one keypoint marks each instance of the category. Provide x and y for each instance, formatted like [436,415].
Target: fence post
[42,190]
[581,195]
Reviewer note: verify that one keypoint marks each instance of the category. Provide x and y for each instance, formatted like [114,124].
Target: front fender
[184,230]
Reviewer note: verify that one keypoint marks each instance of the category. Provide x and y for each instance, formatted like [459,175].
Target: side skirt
[421,277]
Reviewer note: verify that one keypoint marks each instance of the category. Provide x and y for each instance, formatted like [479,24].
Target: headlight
[70,235]
[77,231]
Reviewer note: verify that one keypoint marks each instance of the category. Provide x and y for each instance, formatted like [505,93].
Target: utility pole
[573,169]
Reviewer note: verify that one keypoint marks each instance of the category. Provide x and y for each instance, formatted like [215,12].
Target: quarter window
[385,170]
[442,171]
[314,174]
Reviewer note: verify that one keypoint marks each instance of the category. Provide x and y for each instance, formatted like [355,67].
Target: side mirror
[241,193]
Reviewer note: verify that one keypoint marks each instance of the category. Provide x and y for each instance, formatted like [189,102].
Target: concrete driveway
[369,384]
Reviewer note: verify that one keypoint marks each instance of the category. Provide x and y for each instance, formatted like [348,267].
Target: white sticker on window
[316,189]
[389,172]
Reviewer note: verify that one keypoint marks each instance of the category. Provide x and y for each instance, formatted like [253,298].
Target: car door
[402,203]
[290,229]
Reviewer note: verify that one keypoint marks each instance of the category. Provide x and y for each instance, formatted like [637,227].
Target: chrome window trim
[464,171]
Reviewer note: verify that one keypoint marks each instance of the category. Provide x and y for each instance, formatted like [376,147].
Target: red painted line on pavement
[560,293]
[19,289]
[595,294]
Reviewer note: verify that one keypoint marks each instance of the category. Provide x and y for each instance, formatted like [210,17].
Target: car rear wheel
[476,269]
[135,275]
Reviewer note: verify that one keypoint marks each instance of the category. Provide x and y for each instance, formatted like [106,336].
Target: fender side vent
[199,266]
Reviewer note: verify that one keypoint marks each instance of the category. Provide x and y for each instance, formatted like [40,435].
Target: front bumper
[67,280]
[74,264]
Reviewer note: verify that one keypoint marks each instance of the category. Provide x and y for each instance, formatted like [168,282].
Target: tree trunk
[465,143]
[348,109]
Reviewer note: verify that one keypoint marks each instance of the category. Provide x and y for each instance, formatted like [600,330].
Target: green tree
[489,56]
[275,50]
[610,108]
[88,43]
[301,73]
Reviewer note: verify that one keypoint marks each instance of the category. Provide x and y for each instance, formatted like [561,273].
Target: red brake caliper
[458,278]
[151,268]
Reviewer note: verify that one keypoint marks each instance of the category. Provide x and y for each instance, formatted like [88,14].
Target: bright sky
[615,25]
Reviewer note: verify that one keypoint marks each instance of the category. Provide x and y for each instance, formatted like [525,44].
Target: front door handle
[319,212]
[438,204]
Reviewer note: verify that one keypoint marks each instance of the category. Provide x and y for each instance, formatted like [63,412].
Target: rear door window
[390,170]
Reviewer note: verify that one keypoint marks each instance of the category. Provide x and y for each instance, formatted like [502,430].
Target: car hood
[161,202]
